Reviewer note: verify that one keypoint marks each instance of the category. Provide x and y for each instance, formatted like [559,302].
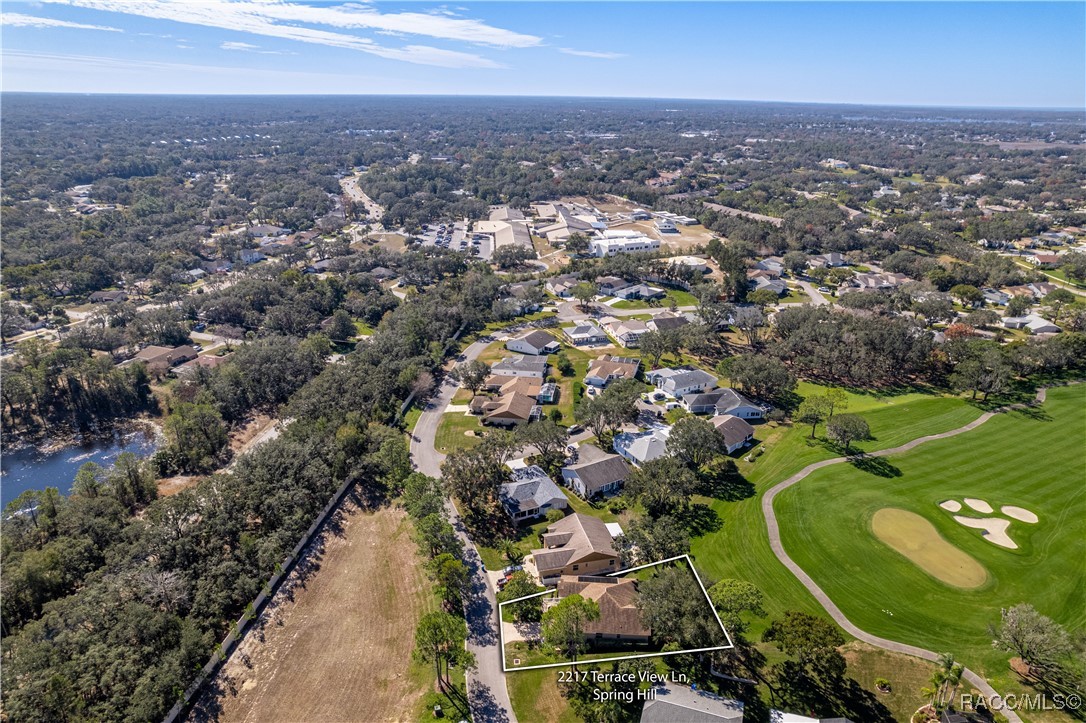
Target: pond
[27,468]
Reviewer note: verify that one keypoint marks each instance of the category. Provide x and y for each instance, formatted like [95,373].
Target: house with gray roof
[679,381]
[599,474]
[680,704]
[586,333]
[530,494]
[642,447]
[534,342]
[722,401]
[520,366]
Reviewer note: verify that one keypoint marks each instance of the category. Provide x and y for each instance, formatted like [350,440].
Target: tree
[510,256]
[547,437]
[520,585]
[647,540]
[564,625]
[811,640]
[471,375]
[813,410]
[713,307]
[763,298]
[564,365]
[422,495]
[1057,299]
[342,328]
[749,321]
[985,371]
[1074,265]
[673,606]
[1018,305]
[655,344]
[733,599]
[847,428]
[1038,640]
[196,435]
[695,441]
[836,401]
[584,292]
[760,375]
[795,262]
[577,243]
[440,639]
[934,309]
[944,681]
[436,536]
[662,485]
[967,294]
[451,577]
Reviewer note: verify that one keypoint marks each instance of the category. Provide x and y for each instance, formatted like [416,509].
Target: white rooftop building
[613,242]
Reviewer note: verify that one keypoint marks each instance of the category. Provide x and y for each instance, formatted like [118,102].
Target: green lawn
[1032,459]
[740,548]
[451,432]
[681,298]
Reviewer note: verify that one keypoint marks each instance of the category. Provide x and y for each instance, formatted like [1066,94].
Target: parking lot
[453,236]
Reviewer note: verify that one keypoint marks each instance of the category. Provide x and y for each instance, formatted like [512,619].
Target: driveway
[487,692]
[817,299]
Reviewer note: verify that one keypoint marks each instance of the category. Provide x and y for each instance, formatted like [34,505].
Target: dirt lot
[337,645]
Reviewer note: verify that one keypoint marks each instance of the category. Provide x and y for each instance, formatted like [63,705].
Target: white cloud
[591,53]
[234,45]
[18,20]
[281,20]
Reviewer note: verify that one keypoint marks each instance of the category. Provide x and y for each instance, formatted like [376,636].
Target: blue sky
[923,53]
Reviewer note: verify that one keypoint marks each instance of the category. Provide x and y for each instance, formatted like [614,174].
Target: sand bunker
[1019,513]
[917,539]
[995,529]
[951,505]
[979,505]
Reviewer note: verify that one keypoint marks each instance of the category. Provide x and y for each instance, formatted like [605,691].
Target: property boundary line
[697,578]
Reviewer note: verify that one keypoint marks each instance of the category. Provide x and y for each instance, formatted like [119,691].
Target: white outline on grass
[587,661]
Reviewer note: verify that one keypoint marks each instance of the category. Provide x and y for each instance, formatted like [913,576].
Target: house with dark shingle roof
[575,545]
[617,597]
[530,494]
[599,474]
[737,433]
[534,342]
[679,381]
[680,704]
[722,401]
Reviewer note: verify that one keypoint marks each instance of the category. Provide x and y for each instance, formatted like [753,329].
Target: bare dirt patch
[335,644]
[240,437]
[917,539]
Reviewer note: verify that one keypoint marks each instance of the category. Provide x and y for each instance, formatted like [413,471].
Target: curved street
[820,595]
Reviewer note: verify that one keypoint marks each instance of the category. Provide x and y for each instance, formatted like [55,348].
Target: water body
[30,468]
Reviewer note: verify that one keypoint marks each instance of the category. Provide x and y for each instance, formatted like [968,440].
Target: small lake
[28,468]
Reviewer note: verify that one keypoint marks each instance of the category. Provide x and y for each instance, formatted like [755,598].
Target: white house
[722,401]
[1032,323]
[642,447]
[665,225]
[627,332]
[584,334]
[679,381]
[534,342]
[520,366]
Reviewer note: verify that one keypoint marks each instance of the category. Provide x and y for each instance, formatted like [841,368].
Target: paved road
[571,311]
[487,692]
[835,612]
[816,298]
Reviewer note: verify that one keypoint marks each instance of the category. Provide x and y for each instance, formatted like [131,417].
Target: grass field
[451,432]
[680,297]
[740,548]
[1032,459]
[338,637]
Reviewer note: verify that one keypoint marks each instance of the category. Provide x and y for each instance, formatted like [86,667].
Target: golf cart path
[824,600]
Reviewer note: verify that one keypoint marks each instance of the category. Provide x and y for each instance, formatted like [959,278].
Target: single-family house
[878,281]
[562,285]
[640,291]
[830,260]
[737,433]
[108,297]
[585,333]
[777,286]
[607,368]
[667,321]
[520,366]
[218,266]
[575,545]
[382,273]
[627,332]
[1036,289]
[509,410]
[164,357]
[251,256]
[209,361]
[1032,323]
[1044,261]
[599,474]
[722,401]
[679,381]
[773,264]
[534,342]
[608,285]
[994,296]
[642,447]
[617,598]
[530,494]
[262,230]
[681,704]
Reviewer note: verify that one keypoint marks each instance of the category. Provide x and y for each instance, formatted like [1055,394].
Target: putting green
[917,539]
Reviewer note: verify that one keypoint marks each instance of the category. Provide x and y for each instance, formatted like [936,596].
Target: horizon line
[853,104]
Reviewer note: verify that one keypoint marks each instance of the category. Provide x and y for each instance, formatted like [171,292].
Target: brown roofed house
[575,545]
[161,358]
[508,410]
[737,432]
[522,385]
[617,597]
[608,368]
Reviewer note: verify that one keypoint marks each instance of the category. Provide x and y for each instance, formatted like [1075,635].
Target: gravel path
[823,599]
